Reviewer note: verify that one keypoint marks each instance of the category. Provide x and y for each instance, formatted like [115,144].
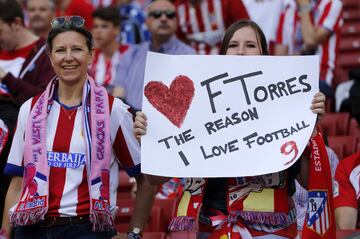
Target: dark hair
[110,14]
[68,28]
[10,10]
[240,24]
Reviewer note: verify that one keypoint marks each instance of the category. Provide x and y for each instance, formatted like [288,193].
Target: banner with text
[226,116]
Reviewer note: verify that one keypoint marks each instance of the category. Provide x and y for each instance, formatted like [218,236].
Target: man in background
[40,13]
[162,24]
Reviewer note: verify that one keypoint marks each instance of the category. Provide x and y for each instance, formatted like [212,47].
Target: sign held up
[226,116]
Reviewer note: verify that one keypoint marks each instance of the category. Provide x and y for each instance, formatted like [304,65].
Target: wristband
[135,233]
[304,8]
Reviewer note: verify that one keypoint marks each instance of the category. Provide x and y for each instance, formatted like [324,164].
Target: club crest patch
[318,217]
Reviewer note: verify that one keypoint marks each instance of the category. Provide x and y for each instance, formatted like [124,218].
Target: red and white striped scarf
[240,213]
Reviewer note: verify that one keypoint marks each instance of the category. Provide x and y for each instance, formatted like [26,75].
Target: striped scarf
[242,204]
[249,203]
[33,204]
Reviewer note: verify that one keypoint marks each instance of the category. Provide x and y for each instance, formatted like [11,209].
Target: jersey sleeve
[125,145]
[285,26]
[14,165]
[344,193]
[330,16]
[233,11]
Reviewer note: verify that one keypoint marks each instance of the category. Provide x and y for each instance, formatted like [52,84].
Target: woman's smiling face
[70,57]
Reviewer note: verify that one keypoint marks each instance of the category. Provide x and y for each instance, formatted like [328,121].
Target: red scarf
[320,219]
[320,196]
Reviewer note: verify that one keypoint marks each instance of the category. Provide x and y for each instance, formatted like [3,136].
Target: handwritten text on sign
[226,116]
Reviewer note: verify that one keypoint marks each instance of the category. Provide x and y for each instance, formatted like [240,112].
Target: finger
[319,105]
[319,97]
[139,132]
[141,115]
[140,122]
[139,125]
[319,112]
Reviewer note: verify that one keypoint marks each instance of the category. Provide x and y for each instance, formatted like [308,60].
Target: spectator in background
[40,13]
[202,23]
[105,30]
[354,100]
[81,8]
[25,71]
[311,27]
[133,27]
[24,67]
[266,14]
[162,25]
[102,3]
[347,192]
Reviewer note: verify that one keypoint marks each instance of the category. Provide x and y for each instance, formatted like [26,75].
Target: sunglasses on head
[74,21]
[158,13]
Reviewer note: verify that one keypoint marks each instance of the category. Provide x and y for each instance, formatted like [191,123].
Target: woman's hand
[140,124]
[318,105]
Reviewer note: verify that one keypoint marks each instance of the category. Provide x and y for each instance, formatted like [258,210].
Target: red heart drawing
[173,103]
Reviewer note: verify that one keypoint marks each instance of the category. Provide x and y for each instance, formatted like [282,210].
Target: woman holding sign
[244,207]
[67,148]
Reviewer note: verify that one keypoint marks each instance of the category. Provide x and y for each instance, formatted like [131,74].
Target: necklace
[71,112]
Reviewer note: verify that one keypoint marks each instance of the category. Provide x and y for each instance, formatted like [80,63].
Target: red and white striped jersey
[267,20]
[12,61]
[68,187]
[347,182]
[203,25]
[104,70]
[325,14]
[102,3]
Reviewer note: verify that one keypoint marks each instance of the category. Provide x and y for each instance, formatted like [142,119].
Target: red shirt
[81,8]
[347,182]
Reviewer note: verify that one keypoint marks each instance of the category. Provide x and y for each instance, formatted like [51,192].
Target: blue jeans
[73,231]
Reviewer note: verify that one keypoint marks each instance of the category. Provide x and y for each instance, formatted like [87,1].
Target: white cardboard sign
[226,116]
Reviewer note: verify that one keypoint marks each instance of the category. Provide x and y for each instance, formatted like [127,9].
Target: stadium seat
[351,4]
[349,43]
[126,209]
[341,76]
[354,128]
[125,186]
[169,210]
[124,183]
[182,235]
[335,124]
[351,28]
[351,15]
[154,235]
[349,59]
[343,145]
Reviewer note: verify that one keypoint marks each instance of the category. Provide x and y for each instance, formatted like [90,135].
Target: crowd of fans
[124,30]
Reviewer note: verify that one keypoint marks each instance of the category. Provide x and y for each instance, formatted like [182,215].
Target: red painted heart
[173,103]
